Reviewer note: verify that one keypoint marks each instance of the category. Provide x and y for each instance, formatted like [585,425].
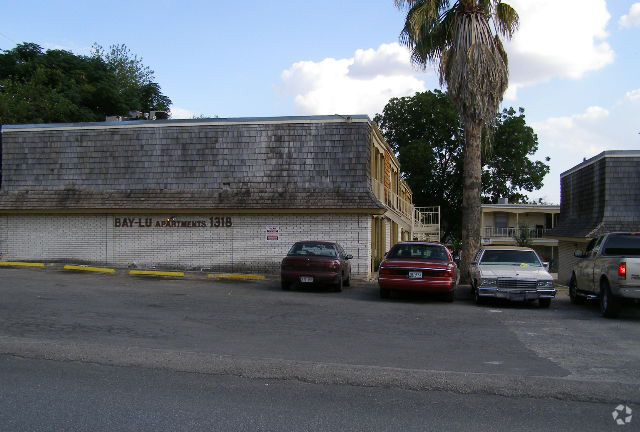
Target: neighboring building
[502,223]
[597,196]
[218,194]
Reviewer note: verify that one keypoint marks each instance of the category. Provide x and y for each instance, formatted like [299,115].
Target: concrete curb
[89,269]
[236,276]
[155,273]
[127,272]
[20,264]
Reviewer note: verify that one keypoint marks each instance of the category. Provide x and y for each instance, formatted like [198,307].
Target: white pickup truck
[609,270]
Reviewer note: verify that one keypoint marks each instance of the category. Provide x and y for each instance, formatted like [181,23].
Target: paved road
[351,340]
[42,395]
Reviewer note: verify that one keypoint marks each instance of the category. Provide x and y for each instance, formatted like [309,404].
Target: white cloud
[181,113]
[71,47]
[632,95]
[570,139]
[557,39]
[631,19]
[363,83]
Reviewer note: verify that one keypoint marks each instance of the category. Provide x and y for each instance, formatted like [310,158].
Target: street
[101,352]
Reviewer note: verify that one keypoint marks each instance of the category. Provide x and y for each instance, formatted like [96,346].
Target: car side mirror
[545,265]
[578,253]
[348,257]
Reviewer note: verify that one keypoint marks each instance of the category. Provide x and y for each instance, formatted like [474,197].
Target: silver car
[513,273]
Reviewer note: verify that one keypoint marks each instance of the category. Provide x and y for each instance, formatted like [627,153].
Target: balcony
[493,232]
[391,199]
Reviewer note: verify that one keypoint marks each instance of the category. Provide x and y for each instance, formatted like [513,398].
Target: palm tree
[463,37]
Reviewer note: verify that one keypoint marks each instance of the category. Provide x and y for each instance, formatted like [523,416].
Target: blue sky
[574,63]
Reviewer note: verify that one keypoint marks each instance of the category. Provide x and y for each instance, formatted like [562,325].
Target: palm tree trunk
[471,190]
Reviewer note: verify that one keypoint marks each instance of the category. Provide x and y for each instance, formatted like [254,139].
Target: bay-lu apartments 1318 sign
[272,233]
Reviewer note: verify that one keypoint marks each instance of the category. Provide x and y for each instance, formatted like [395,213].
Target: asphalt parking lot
[253,329]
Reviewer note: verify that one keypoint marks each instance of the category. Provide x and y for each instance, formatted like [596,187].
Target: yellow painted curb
[235,276]
[90,269]
[155,273]
[20,264]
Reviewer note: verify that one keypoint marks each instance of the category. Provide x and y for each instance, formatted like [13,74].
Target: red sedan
[316,263]
[418,266]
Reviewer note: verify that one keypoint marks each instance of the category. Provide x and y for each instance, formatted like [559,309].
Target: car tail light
[384,271]
[622,270]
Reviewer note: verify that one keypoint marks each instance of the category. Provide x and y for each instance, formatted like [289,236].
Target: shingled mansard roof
[600,195]
[269,163]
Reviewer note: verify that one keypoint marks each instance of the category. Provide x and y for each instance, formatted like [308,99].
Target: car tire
[337,287]
[544,302]
[347,281]
[477,298]
[449,296]
[285,285]
[385,293]
[573,291]
[609,304]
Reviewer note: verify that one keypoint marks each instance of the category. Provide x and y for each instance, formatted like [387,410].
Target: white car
[514,273]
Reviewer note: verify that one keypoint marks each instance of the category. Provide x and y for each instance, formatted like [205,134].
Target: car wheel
[544,302]
[609,304]
[338,285]
[478,298]
[449,296]
[285,285]
[347,281]
[385,293]
[573,291]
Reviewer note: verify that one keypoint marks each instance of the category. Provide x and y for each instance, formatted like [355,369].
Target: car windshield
[419,251]
[510,257]
[314,249]
[622,244]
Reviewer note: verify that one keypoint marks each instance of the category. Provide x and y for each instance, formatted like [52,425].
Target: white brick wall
[387,238]
[567,259]
[3,237]
[240,248]
[81,238]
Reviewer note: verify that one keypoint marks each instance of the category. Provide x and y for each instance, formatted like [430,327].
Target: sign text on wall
[172,222]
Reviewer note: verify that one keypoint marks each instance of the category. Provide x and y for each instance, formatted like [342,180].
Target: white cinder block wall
[143,241]
[567,260]
[3,236]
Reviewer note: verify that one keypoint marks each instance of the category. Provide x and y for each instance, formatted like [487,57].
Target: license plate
[415,275]
[306,279]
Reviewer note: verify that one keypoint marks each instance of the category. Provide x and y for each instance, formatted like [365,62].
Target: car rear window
[510,257]
[313,249]
[419,251]
[622,244]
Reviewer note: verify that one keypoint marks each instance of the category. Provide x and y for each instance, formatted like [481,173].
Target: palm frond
[506,19]
[427,30]
[474,69]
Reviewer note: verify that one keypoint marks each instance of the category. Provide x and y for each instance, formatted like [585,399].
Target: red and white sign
[272,233]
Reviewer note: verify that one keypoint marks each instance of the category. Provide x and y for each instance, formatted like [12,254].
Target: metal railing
[494,232]
[426,216]
[391,199]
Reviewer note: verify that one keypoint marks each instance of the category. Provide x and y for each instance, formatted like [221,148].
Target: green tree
[463,38]
[523,237]
[426,133]
[56,86]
